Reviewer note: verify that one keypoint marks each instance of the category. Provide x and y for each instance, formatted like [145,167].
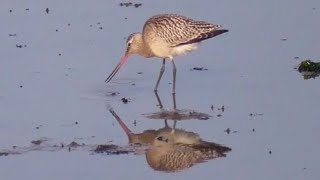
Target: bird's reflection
[171,149]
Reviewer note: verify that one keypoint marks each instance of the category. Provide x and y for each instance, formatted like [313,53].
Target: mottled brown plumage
[171,152]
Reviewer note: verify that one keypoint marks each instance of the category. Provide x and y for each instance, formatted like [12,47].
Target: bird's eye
[161,138]
[129,44]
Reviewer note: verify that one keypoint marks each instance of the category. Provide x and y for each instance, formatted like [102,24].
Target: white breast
[183,49]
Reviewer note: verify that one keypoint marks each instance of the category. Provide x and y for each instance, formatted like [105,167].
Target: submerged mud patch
[43,144]
[111,149]
[178,115]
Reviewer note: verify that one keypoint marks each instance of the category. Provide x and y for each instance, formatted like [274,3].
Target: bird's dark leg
[160,75]
[158,99]
[174,70]
[174,101]
[166,123]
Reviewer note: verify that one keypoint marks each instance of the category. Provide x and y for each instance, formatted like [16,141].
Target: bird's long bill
[116,69]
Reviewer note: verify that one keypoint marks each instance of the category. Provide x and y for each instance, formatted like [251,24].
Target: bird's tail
[216,33]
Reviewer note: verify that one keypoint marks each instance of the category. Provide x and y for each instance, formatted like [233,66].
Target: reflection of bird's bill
[123,126]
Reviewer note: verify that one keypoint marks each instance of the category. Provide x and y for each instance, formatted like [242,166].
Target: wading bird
[166,36]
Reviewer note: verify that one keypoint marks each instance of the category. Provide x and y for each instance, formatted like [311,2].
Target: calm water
[53,88]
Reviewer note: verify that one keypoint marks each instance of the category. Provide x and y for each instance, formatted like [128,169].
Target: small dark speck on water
[21,86]
[100,28]
[90,25]
[296,57]
[255,114]
[47,10]
[139,72]
[137,5]
[125,18]
[212,107]
[98,23]
[253,130]
[222,108]
[127,4]
[19,46]
[27,9]
[59,54]
[57,30]
[10,10]
[227,130]
[283,39]
[76,122]
[135,122]
[125,100]
[12,34]
[314,8]
[219,115]
[199,69]
[69,24]
[270,152]
[133,84]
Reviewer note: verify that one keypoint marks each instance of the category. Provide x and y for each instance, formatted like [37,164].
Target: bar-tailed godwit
[166,36]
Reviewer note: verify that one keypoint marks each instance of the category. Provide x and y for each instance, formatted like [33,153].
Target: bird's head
[133,43]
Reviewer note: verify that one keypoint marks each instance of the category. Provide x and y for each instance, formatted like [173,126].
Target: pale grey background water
[250,70]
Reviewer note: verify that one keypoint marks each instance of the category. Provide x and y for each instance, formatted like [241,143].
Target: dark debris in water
[228,131]
[20,45]
[309,69]
[112,93]
[198,69]
[255,114]
[128,4]
[125,100]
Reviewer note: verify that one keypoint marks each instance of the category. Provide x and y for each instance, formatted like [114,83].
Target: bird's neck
[143,49]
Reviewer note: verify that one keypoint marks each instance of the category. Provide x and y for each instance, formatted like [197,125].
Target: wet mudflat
[238,96]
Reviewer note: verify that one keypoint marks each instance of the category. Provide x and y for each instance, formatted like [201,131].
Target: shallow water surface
[238,90]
